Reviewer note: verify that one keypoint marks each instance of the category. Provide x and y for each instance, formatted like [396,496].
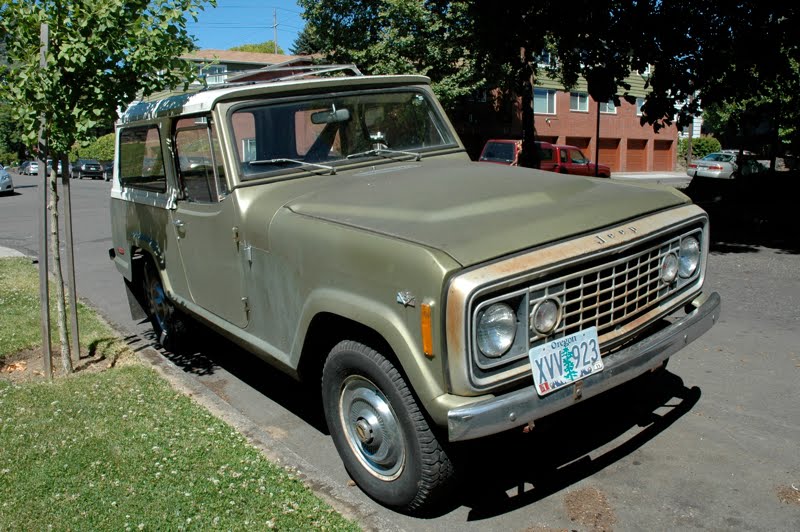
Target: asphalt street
[713,443]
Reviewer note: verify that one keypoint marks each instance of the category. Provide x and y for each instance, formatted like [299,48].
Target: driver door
[204,221]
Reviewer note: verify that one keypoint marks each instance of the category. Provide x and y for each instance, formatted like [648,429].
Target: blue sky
[235,22]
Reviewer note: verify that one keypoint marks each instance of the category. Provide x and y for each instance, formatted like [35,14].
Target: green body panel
[476,212]
[278,252]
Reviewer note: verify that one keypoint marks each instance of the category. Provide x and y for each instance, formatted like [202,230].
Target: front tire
[167,321]
[381,434]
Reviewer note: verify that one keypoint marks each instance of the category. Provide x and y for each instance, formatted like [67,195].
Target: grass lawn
[119,449]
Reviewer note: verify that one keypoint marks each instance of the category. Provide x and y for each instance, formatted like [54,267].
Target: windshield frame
[439,119]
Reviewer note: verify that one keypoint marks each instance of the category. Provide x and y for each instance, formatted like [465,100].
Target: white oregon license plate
[561,362]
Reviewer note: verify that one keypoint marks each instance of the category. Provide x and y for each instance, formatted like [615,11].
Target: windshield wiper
[330,169]
[381,151]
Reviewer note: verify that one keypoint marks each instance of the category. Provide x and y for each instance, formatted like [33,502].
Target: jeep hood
[476,211]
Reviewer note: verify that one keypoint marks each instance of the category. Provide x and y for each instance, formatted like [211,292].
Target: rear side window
[141,164]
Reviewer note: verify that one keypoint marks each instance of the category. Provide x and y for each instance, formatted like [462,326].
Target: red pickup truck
[560,158]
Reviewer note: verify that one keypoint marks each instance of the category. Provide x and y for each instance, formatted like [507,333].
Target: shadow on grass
[208,352]
[748,214]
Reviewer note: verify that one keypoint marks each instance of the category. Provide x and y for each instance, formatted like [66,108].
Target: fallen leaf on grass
[16,366]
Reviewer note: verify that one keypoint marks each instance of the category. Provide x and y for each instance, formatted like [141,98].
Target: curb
[8,252]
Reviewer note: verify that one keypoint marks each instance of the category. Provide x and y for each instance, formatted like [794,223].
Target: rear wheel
[167,321]
[381,434]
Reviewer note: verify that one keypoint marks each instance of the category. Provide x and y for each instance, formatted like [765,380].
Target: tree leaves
[103,54]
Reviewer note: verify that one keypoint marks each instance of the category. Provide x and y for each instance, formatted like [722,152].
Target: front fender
[392,323]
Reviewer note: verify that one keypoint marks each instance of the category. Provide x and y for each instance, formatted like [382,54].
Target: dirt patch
[590,508]
[28,365]
[788,494]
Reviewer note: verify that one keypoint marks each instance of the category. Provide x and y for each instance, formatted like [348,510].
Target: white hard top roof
[204,101]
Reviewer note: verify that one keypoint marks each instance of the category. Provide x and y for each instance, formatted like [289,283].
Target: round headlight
[669,268]
[497,328]
[546,315]
[690,256]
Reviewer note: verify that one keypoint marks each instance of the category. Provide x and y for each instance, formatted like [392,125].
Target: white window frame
[216,74]
[546,60]
[606,105]
[583,102]
[639,104]
[550,95]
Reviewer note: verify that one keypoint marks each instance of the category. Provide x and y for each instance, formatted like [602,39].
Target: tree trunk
[529,156]
[55,252]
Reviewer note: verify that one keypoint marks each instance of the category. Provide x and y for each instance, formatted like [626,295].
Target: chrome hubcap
[159,306]
[371,428]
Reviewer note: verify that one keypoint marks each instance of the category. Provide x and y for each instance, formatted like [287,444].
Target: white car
[725,165]
[6,184]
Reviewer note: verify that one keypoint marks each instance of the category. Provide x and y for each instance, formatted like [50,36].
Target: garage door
[662,155]
[636,160]
[609,153]
[579,142]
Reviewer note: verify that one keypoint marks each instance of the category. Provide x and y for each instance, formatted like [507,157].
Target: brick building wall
[624,144]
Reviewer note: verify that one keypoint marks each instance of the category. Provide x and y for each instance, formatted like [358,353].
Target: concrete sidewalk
[8,252]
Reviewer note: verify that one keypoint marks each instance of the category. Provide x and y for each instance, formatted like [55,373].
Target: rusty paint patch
[590,508]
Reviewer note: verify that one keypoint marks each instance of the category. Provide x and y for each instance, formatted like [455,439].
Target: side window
[563,155]
[578,157]
[141,164]
[546,154]
[199,160]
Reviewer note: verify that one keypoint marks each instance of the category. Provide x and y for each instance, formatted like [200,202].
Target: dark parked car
[86,168]
[108,169]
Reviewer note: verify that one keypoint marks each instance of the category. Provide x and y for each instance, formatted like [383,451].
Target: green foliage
[11,146]
[101,148]
[102,55]
[701,147]
[266,47]
[399,37]
[701,52]
[307,42]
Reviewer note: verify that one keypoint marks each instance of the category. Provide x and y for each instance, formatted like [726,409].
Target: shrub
[102,149]
[701,147]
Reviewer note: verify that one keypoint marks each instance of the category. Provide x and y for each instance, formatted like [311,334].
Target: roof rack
[296,72]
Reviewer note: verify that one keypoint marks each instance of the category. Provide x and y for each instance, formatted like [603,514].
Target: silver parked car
[724,165]
[6,184]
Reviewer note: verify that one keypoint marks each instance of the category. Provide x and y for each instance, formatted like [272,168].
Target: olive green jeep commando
[335,227]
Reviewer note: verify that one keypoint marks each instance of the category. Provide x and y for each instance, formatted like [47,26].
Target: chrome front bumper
[523,406]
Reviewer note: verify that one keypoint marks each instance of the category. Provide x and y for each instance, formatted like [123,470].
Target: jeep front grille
[612,293]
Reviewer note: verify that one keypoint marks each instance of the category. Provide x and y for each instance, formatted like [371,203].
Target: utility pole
[275,28]
[597,143]
[44,270]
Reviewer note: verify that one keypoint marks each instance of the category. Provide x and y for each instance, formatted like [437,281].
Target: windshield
[498,152]
[317,134]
